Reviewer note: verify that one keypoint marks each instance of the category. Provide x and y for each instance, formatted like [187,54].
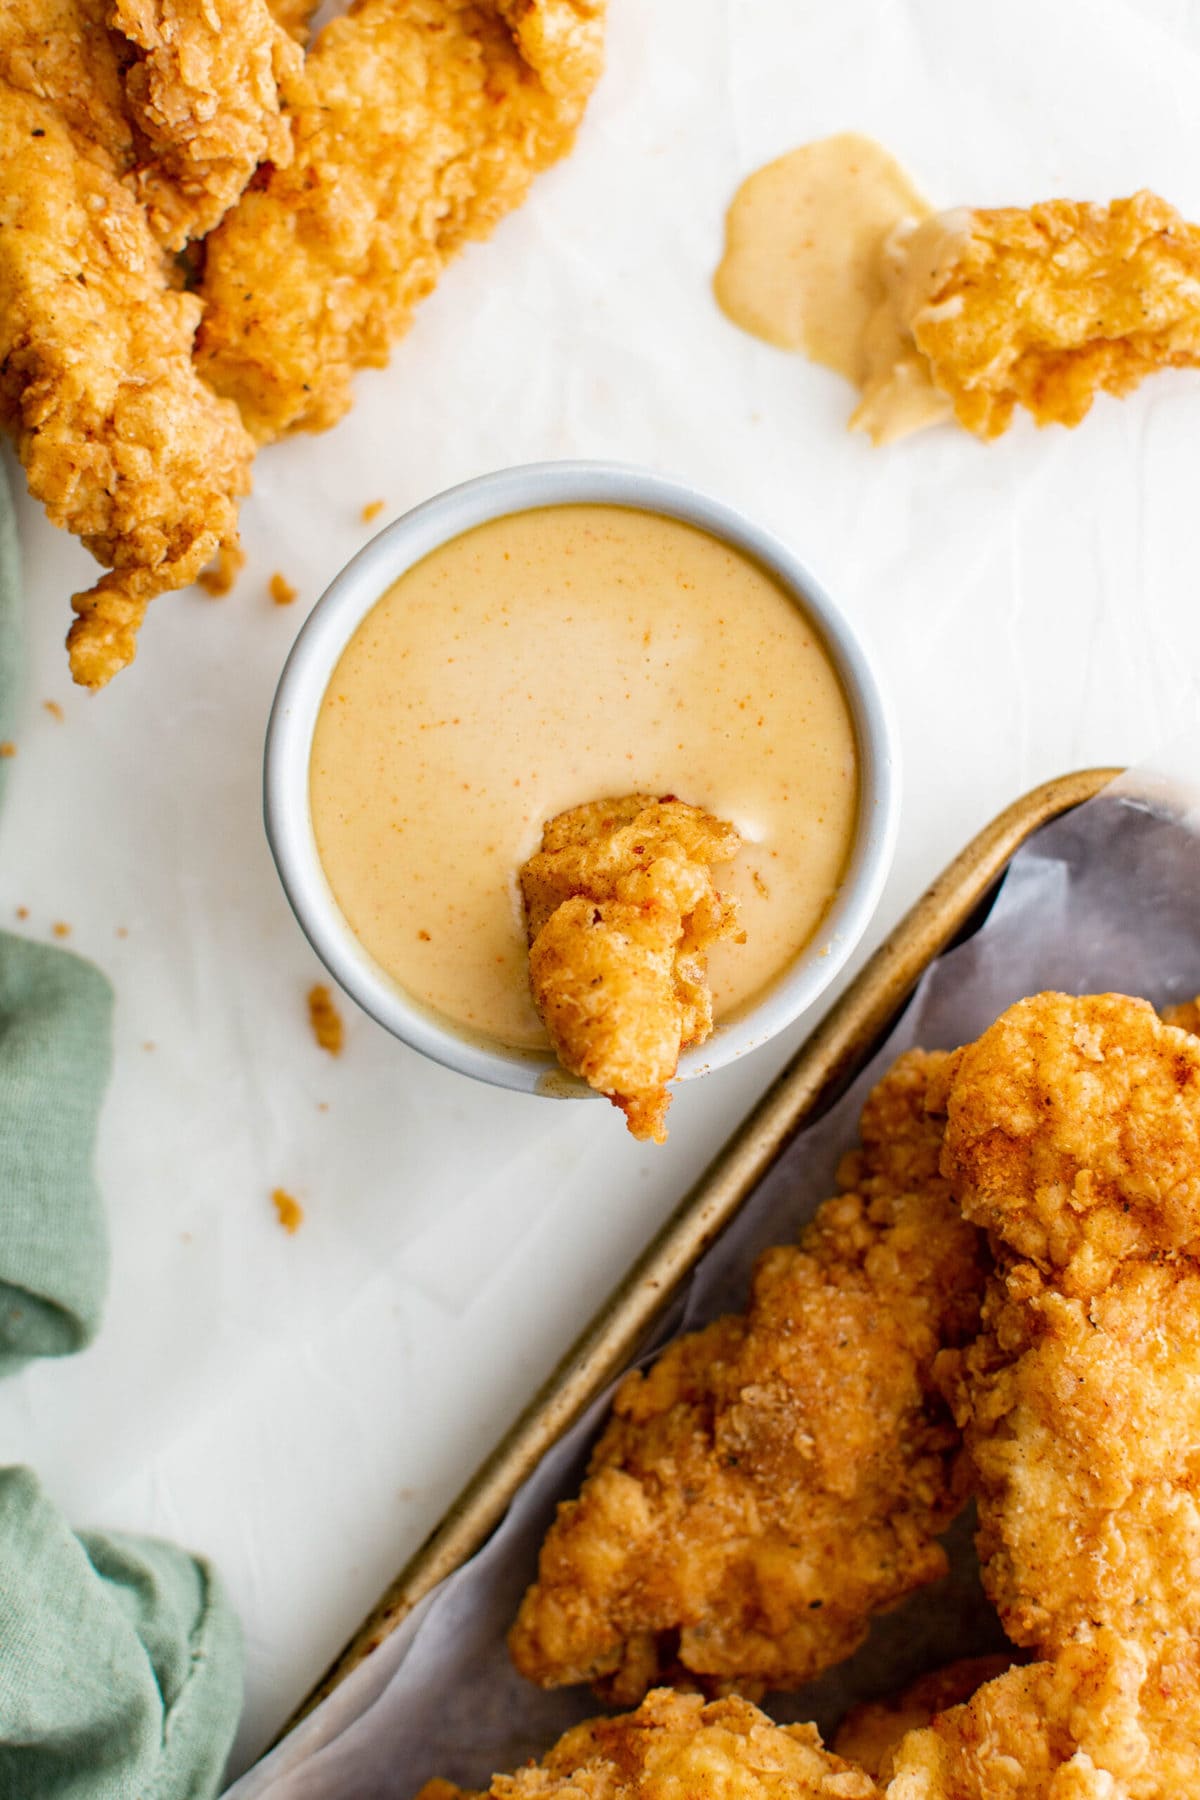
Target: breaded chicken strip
[1082,1422]
[417,125]
[1093,1724]
[1045,307]
[1069,1730]
[121,440]
[675,1747]
[1072,1132]
[870,1734]
[778,1477]
[1074,1135]
[621,910]
[204,91]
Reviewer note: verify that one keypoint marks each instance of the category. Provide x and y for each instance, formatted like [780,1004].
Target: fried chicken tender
[1043,308]
[121,440]
[621,912]
[416,127]
[1073,1131]
[1067,1730]
[205,93]
[870,1734]
[1074,1135]
[773,1480]
[675,1746]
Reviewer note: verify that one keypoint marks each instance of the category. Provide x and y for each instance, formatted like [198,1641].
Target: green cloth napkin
[55,1016]
[120,1658]
[120,1661]
[55,1023]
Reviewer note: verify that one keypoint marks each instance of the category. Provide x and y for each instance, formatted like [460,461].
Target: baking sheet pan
[836,1049]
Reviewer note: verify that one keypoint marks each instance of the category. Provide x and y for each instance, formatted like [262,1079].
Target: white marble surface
[303,1409]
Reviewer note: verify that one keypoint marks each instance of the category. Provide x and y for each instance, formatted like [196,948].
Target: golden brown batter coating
[204,91]
[773,1480]
[416,127]
[870,1734]
[621,911]
[121,441]
[676,1747]
[1082,1421]
[1185,1016]
[1074,1135]
[1094,1724]
[1073,1126]
[1043,308]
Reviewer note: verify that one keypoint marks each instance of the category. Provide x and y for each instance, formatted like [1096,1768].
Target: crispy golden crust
[416,127]
[1074,1134]
[621,910]
[772,1480]
[294,16]
[901,1129]
[121,441]
[1073,1127]
[1044,308]
[1185,1016]
[674,1747]
[1094,1724]
[1082,1421]
[870,1734]
[204,92]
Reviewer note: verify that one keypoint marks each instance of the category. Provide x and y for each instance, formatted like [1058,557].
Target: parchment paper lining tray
[1097,896]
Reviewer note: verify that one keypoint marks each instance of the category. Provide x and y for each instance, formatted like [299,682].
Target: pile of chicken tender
[206,228]
[1001,1302]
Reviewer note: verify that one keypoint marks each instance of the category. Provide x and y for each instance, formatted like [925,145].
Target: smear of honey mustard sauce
[553,657]
[810,264]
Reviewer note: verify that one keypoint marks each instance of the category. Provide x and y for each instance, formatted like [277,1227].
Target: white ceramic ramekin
[367,578]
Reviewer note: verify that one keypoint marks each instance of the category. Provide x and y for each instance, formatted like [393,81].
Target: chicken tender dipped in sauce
[621,910]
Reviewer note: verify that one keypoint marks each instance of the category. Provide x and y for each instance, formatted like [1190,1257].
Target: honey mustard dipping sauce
[552,657]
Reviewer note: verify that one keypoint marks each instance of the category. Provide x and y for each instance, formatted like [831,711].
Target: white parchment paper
[1102,899]
[303,1409]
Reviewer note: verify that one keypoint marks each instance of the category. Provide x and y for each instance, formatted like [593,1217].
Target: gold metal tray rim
[836,1045]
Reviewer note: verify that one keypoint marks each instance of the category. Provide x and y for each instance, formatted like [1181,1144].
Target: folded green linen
[120,1661]
[120,1658]
[55,1014]
[55,1027]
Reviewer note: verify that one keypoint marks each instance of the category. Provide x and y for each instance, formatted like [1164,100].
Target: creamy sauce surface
[553,657]
[806,266]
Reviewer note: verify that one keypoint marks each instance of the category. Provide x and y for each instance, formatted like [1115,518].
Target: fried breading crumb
[325,1019]
[61,929]
[372,510]
[8,748]
[621,911]
[22,912]
[54,709]
[289,1210]
[281,591]
[217,580]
